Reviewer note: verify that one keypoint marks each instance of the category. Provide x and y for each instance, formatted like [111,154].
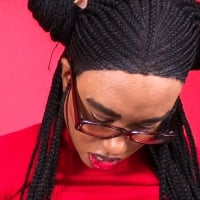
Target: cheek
[133,147]
[84,143]
[69,112]
[80,140]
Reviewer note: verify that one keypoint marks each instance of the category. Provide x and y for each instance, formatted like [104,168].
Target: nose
[115,146]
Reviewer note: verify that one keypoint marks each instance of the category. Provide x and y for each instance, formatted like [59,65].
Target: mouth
[102,162]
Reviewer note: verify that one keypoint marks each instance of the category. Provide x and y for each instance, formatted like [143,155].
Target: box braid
[176,162]
[47,144]
[158,37]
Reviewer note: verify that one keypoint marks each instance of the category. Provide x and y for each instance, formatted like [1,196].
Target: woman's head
[156,37]
[130,57]
[112,98]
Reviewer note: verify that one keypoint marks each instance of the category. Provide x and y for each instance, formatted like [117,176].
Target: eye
[148,127]
[101,119]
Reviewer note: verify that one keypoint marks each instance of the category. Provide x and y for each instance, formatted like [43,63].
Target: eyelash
[147,127]
[101,121]
[137,126]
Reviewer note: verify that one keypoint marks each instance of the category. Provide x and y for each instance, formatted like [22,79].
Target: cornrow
[152,18]
[142,36]
[145,44]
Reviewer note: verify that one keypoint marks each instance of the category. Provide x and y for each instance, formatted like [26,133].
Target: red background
[25,51]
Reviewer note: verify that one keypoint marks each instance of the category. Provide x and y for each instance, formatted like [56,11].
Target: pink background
[25,51]
[25,79]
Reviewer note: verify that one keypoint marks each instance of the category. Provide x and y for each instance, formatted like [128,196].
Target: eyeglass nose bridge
[117,131]
[128,134]
[120,132]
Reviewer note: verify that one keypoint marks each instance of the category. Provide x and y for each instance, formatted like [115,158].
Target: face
[129,101]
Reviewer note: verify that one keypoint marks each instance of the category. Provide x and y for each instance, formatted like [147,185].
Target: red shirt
[130,179]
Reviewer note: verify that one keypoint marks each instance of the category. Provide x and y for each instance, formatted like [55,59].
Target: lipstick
[102,162]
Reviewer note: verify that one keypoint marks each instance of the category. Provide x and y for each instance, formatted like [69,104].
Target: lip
[98,161]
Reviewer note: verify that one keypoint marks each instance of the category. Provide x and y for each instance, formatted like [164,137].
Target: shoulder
[19,142]
[26,132]
[15,153]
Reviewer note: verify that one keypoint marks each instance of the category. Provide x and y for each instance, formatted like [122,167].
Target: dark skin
[142,103]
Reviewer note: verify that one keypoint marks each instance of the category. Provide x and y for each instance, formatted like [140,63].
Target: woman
[114,126]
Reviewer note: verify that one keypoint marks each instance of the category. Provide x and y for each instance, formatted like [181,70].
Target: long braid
[43,137]
[46,180]
[173,163]
[55,145]
[193,153]
[51,112]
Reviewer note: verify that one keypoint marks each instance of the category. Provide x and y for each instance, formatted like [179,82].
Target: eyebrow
[113,114]
[102,108]
[157,119]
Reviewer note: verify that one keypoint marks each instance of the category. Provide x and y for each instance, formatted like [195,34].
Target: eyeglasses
[105,131]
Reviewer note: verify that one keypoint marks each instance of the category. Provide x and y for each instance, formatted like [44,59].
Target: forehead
[120,89]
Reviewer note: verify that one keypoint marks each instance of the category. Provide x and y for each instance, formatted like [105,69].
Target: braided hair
[149,37]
